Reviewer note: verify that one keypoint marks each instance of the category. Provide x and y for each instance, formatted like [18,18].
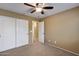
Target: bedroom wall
[62,29]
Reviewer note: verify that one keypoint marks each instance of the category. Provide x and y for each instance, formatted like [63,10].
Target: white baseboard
[64,49]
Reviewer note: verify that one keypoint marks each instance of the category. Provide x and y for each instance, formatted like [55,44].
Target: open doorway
[34,31]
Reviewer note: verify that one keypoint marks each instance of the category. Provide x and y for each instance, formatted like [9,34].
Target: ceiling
[23,9]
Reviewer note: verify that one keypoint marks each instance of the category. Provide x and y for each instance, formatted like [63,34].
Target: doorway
[34,31]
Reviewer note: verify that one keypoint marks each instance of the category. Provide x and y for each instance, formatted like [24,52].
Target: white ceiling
[23,9]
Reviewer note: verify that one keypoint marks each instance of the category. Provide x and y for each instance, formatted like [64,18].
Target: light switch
[30,30]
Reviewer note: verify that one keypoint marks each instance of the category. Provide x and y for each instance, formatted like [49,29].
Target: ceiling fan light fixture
[38,9]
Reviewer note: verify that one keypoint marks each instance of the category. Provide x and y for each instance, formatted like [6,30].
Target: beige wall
[64,29]
[20,16]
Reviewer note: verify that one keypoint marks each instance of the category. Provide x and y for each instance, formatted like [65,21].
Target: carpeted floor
[36,49]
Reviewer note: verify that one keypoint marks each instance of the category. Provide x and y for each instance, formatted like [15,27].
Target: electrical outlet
[55,42]
[49,40]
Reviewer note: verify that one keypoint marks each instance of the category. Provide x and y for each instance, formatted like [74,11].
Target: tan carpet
[36,49]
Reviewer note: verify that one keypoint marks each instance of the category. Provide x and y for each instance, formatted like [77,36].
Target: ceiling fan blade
[33,11]
[29,5]
[48,7]
[37,4]
[42,12]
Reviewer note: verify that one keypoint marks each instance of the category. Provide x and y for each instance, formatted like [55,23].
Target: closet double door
[22,32]
[7,33]
[13,33]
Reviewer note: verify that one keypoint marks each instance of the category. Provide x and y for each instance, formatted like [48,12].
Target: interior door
[1,34]
[7,33]
[22,32]
[41,31]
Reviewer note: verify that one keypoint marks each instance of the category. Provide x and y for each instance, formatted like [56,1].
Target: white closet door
[7,29]
[22,32]
[41,31]
[1,34]
[8,33]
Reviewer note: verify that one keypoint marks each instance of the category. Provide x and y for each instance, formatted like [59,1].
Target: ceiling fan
[39,7]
